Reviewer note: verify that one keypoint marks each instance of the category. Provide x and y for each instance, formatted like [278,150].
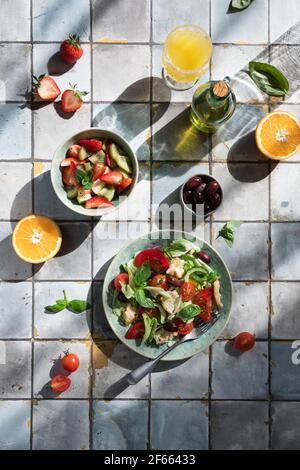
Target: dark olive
[200,188]
[121,297]
[170,326]
[194,182]
[174,281]
[204,257]
[188,196]
[215,200]
[198,197]
[212,188]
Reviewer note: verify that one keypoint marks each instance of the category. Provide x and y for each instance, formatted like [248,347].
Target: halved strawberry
[97,201]
[112,177]
[67,161]
[123,185]
[91,145]
[71,99]
[108,159]
[71,49]
[45,87]
[74,151]
[98,171]
[69,178]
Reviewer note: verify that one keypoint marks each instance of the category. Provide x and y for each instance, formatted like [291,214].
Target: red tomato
[155,257]
[70,362]
[136,331]
[188,290]
[159,280]
[204,298]
[69,178]
[60,383]
[183,328]
[244,341]
[122,277]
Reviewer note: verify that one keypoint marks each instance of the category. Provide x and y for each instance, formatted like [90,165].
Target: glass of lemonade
[187,52]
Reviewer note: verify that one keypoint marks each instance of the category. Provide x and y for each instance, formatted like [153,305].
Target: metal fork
[140,372]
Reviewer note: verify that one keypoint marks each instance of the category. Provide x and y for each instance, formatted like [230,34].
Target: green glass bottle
[213,104]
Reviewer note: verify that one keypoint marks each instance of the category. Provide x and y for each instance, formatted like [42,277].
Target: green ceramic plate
[185,350]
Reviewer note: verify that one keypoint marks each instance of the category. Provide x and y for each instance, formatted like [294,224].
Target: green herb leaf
[78,306]
[117,305]
[79,175]
[238,5]
[142,274]
[59,305]
[127,290]
[188,312]
[227,231]
[150,325]
[142,300]
[268,79]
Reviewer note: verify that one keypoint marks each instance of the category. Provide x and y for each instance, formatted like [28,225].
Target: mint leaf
[268,79]
[238,5]
[189,312]
[142,274]
[78,306]
[59,305]
[227,231]
[79,175]
[142,300]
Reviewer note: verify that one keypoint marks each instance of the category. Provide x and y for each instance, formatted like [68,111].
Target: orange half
[36,239]
[278,135]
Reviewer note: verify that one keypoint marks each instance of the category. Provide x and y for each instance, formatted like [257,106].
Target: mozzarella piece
[162,336]
[129,314]
[170,304]
[176,268]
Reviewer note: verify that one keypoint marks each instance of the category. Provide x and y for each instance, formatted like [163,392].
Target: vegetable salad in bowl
[162,289]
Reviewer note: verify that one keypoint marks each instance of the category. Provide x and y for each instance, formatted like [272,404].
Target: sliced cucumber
[121,160]
[83,196]
[124,173]
[98,157]
[104,145]
[108,192]
[71,192]
[88,166]
[97,187]
[83,154]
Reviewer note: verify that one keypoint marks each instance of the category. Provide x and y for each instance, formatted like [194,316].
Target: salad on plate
[95,173]
[163,289]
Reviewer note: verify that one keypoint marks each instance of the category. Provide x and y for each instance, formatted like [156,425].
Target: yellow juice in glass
[187,52]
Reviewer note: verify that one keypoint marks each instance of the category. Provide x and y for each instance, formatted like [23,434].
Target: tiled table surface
[215,400]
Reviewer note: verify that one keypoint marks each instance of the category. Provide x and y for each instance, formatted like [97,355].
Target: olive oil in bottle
[213,104]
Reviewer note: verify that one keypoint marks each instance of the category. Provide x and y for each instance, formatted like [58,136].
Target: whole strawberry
[71,99]
[45,87]
[71,49]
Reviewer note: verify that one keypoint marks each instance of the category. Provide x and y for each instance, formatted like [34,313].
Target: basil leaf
[142,300]
[78,306]
[127,290]
[233,224]
[150,325]
[239,5]
[268,78]
[79,175]
[189,312]
[142,274]
[59,305]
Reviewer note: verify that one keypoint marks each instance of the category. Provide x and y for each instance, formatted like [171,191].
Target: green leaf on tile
[268,79]
[227,231]
[238,5]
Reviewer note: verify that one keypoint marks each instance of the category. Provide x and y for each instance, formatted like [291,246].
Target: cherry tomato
[159,280]
[122,277]
[188,290]
[204,299]
[155,257]
[183,328]
[60,383]
[70,362]
[136,331]
[244,341]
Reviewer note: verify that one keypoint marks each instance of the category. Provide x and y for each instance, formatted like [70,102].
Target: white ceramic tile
[15,190]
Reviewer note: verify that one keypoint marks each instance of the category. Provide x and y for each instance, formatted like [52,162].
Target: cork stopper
[221,89]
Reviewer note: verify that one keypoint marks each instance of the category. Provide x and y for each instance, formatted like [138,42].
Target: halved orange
[278,135]
[36,238]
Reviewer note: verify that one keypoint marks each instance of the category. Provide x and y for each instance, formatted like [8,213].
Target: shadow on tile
[57,66]
[247,173]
